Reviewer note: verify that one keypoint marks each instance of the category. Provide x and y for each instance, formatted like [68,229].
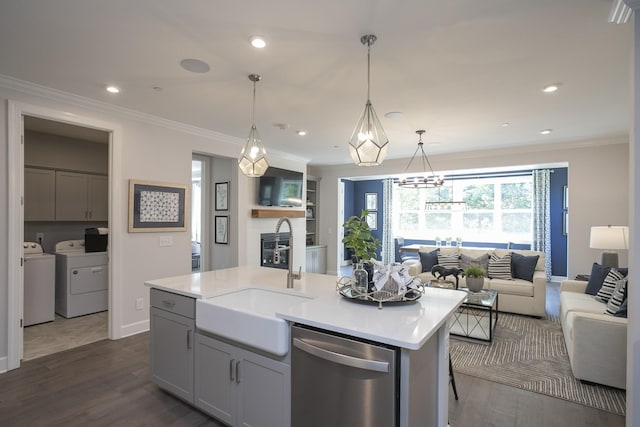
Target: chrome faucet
[291,276]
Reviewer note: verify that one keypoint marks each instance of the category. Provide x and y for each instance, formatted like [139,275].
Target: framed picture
[222,229]
[309,213]
[565,223]
[372,220]
[222,196]
[157,206]
[565,198]
[371,201]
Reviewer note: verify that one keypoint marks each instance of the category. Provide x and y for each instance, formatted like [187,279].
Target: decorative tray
[414,291]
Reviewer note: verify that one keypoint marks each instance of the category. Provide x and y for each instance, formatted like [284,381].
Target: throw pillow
[428,260]
[523,267]
[622,311]
[598,273]
[449,261]
[467,261]
[617,298]
[500,267]
[609,285]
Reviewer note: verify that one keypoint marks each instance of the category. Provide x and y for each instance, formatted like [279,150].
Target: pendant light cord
[369,72]
[254,105]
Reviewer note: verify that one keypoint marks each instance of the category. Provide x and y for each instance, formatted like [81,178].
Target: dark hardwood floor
[107,384]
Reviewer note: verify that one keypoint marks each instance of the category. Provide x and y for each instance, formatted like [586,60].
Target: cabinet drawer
[174,303]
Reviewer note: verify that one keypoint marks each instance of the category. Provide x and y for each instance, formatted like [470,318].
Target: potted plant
[359,239]
[475,278]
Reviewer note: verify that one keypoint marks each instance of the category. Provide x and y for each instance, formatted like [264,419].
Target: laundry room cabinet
[81,197]
[172,347]
[241,387]
[39,194]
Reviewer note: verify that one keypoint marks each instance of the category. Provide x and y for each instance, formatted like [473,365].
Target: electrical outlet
[166,241]
[139,303]
[39,237]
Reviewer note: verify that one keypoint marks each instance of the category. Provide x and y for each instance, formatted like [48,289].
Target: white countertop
[403,325]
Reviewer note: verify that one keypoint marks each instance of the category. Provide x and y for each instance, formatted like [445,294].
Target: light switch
[166,241]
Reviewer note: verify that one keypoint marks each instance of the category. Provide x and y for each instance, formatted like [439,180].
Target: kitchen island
[181,316]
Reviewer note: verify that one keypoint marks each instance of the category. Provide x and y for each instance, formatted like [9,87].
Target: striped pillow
[617,298]
[609,285]
[449,261]
[500,268]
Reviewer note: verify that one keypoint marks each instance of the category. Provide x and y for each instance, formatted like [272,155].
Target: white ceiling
[456,68]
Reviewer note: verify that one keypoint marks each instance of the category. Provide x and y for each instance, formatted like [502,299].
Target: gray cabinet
[39,194]
[317,259]
[239,387]
[172,346]
[81,197]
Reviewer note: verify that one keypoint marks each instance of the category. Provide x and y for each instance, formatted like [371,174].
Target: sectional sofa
[596,340]
[523,293]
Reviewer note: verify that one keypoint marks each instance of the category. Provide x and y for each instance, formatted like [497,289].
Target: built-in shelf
[277,213]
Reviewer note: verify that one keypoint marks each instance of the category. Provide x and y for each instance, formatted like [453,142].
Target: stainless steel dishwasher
[342,381]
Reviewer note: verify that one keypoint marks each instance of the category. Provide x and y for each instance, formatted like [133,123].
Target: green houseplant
[475,278]
[359,239]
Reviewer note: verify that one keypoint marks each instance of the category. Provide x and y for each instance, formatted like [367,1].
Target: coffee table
[477,317]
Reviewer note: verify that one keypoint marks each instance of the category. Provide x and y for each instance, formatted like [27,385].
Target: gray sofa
[515,296]
[596,342]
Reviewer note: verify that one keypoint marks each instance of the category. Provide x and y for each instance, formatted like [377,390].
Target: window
[498,209]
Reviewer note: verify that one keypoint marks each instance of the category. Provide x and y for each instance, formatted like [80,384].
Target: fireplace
[267,247]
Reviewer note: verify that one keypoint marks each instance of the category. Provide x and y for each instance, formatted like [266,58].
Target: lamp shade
[609,237]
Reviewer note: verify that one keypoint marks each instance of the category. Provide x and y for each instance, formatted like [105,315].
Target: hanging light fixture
[368,144]
[253,157]
[425,181]
[446,205]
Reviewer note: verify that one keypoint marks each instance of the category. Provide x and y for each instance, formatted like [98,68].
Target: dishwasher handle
[341,359]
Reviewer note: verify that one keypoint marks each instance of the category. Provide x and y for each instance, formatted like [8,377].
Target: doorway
[200,223]
[16,220]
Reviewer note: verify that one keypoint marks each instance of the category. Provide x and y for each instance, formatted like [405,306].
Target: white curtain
[542,216]
[388,248]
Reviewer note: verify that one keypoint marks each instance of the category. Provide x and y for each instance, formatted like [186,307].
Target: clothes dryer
[39,285]
[82,279]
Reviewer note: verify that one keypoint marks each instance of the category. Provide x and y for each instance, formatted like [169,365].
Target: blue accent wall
[354,203]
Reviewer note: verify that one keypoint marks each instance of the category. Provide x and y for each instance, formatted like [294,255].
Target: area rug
[530,354]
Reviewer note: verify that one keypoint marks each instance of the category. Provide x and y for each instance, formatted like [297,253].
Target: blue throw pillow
[523,267]
[428,260]
[622,311]
[598,273]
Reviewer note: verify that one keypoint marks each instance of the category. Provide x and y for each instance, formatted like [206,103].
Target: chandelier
[446,205]
[253,157]
[368,144]
[425,181]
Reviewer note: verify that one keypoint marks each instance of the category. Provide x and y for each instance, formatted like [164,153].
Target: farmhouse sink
[248,316]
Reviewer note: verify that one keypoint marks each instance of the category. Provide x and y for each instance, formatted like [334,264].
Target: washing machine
[39,285]
[82,279]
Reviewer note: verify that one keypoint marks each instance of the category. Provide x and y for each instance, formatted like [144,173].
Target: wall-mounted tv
[280,187]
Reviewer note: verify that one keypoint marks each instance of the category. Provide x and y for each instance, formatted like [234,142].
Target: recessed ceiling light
[301,132]
[394,115]
[546,131]
[257,41]
[551,88]
[113,89]
[505,124]
[195,65]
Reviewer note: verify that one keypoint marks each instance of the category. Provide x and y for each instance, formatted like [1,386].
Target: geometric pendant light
[253,157]
[368,144]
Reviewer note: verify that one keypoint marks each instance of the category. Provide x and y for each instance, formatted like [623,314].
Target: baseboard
[134,328]
[3,364]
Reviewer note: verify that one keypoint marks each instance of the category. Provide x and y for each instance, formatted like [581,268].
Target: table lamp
[609,238]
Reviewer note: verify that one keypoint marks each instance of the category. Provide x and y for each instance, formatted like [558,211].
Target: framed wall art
[222,196]
[371,201]
[222,229]
[157,206]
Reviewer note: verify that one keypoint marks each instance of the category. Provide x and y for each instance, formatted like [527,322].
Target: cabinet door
[321,260]
[71,196]
[264,392]
[39,194]
[215,378]
[98,198]
[311,264]
[172,354]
